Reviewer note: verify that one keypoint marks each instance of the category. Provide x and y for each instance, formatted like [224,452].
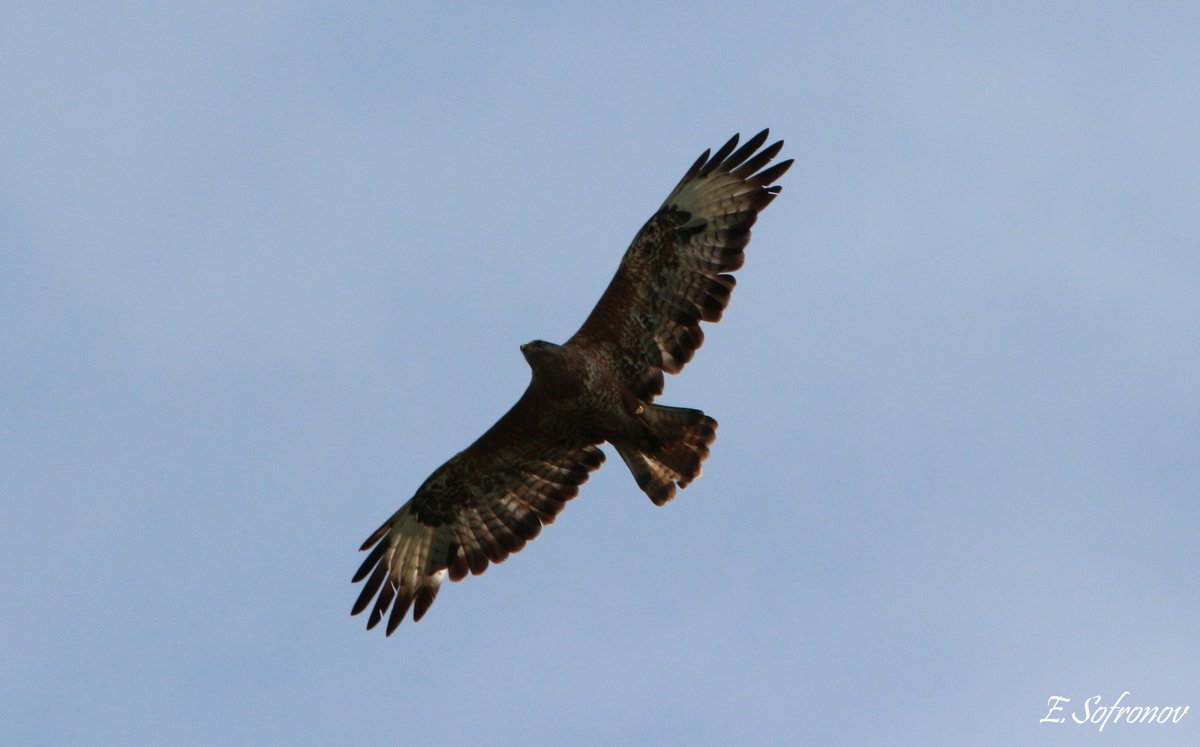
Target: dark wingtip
[720,156]
[765,178]
[368,591]
[399,610]
[424,600]
[376,536]
[734,161]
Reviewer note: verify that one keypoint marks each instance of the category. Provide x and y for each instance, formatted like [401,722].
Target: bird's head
[539,352]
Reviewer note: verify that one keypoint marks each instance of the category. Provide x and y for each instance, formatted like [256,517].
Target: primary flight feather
[495,495]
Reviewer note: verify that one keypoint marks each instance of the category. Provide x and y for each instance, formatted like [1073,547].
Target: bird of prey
[491,498]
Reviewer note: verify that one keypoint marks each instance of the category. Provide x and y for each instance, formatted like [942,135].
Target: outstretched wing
[482,505]
[675,273]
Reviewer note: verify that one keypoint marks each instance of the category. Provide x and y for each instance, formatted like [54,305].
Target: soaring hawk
[496,495]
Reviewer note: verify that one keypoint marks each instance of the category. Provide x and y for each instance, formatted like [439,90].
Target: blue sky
[263,268]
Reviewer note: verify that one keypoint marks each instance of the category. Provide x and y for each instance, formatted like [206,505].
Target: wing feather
[675,274]
[484,504]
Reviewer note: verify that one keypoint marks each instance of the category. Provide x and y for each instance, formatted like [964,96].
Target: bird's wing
[675,274]
[483,504]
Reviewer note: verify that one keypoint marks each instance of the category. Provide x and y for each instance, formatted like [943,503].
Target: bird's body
[585,400]
[599,386]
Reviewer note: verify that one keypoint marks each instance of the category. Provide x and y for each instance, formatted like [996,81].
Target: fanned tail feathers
[683,437]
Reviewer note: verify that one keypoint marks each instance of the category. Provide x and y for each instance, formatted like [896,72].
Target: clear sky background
[264,267]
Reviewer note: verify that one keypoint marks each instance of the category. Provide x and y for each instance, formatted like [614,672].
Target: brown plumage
[498,493]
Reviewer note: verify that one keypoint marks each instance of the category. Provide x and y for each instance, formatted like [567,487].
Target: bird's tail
[678,445]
